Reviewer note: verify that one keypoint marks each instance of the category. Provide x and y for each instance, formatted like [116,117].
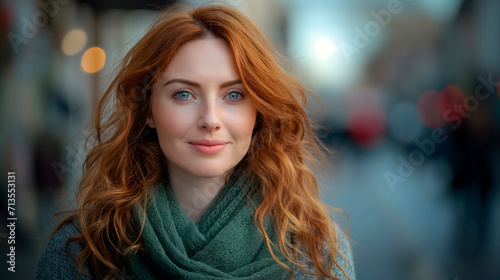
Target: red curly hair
[126,158]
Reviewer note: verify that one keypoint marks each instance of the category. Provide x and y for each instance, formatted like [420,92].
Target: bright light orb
[324,48]
[93,60]
[74,42]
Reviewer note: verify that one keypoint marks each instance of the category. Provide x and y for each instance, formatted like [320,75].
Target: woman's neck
[194,194]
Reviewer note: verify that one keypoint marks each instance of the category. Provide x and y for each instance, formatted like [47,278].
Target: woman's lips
[209,147]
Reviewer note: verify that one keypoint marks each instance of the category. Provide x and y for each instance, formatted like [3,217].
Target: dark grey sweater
[55,263]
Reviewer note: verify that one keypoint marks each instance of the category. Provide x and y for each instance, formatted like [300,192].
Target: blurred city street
[414,231]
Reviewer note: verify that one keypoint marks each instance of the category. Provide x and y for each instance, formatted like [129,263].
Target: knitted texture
[223,244]
[54,262]
[347,265]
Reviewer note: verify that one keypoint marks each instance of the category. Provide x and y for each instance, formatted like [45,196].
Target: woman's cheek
[174,119]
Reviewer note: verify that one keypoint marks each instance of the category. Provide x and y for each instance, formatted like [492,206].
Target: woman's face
[202,115]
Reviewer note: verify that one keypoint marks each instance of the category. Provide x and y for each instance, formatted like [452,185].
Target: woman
[200,171]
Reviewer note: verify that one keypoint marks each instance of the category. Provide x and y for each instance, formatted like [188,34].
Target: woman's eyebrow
[195,84]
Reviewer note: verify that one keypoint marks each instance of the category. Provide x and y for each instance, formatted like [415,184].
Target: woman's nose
[209,116]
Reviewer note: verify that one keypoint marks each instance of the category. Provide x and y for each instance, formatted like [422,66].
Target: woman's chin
[209,173]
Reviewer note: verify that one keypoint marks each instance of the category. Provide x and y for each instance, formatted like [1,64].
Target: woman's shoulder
[55,260]
[58,240]
[347,263]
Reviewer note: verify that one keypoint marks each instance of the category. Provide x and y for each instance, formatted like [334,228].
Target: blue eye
[234,95]
[182,95]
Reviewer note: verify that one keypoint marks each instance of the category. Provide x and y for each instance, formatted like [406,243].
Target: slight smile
[209,147]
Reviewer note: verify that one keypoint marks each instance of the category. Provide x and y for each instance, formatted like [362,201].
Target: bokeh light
[367,124]
[5,18]
[451,100]
[93,60]
[74,42]
[323,48]
[498,88]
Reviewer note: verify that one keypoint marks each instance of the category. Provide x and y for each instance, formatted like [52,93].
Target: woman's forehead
[202,60]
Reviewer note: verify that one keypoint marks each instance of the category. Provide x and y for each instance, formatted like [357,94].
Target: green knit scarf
[224,243]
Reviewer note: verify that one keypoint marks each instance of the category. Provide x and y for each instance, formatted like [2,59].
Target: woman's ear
[150,122]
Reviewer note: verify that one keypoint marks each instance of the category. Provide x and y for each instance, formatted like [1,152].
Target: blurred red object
[367,124]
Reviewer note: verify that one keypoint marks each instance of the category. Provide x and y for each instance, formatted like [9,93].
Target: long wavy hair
[126,160]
